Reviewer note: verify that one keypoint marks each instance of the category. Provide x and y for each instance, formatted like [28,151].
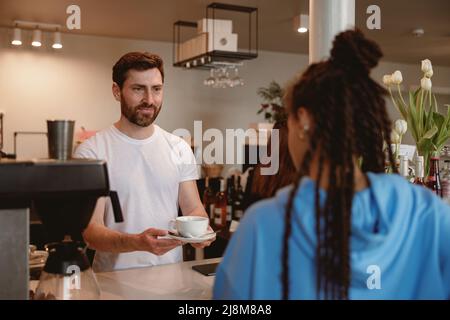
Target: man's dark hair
[136,61]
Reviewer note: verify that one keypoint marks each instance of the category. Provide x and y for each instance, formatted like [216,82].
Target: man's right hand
[148,241]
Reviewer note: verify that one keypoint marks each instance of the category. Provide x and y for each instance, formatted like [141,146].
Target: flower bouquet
[429,128]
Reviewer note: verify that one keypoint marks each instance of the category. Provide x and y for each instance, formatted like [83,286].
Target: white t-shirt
[146,175]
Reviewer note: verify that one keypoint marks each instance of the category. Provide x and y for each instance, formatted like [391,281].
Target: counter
[172,281]
[166,282]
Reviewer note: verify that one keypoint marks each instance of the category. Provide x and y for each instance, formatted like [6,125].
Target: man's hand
[204,244]
[191,205]
[148,241]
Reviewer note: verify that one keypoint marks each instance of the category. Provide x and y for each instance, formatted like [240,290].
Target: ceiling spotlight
[418,32]
[37,38]
[57,44]
[301,23]
[17,37]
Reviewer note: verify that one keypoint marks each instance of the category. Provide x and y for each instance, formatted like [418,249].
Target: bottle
[404,167]
[419,180]
[230,196]
[238,202]
[445,181]
[434,179]
[220,207]
[208,200]
[248,196]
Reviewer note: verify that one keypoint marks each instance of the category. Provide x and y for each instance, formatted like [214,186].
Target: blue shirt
[400,245]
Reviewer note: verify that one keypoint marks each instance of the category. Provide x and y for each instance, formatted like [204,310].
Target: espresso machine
[63,193]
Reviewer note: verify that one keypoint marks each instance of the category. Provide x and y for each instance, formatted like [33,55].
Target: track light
[37,38]
[38,28]
[17,37]
[57,44]
[301,23]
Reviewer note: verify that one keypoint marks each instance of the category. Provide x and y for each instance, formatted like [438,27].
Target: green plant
[273,108]
[429,128]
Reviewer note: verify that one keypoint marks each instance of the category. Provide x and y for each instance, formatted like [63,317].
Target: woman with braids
[341,231]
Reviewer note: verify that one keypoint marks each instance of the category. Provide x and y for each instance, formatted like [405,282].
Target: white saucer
[192,240]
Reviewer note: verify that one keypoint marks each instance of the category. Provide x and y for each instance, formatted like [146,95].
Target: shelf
[231,7]
[215,58]
[182,23]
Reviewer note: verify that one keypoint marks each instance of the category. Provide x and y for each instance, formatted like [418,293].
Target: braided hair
[349,120]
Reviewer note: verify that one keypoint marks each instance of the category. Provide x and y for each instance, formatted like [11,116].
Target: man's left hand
[204,244]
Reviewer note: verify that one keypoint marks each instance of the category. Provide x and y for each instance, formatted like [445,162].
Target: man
[152,170]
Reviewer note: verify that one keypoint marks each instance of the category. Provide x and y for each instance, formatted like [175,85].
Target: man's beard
[134,115]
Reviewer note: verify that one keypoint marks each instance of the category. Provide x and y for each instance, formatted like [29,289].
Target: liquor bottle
[230,196]
[248,194]
[220,207]
[445,181]
[208,200]
[434,179]
[419,180]
[238,203]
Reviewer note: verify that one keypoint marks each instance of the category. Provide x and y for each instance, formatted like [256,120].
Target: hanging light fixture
[38,28]
[57,44]
[37,38]
[301,23]
[17,37]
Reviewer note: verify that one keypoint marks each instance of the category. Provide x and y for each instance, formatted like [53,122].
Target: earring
[301,135]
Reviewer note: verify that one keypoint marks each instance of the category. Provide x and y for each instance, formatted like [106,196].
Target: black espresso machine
[63,193]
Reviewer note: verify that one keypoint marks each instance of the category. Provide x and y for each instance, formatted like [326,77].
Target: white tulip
[429,73]
[395,138]
[387,80]
[400,126]
[426,84]
[426,66]
[394,148]
[397,77]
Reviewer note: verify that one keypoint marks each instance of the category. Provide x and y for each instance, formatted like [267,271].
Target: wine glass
[222,79]
[211,80]
[236,80]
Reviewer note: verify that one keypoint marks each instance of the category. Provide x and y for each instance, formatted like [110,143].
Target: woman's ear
[116,91]
[304,119]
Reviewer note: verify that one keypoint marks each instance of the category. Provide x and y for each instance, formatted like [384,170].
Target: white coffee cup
[191,226]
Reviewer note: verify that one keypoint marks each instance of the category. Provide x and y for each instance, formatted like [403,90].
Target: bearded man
[152,170]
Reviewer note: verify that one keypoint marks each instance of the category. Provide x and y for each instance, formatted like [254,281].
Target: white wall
[75,83]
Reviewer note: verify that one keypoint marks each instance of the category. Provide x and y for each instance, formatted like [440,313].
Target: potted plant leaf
[272,106]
